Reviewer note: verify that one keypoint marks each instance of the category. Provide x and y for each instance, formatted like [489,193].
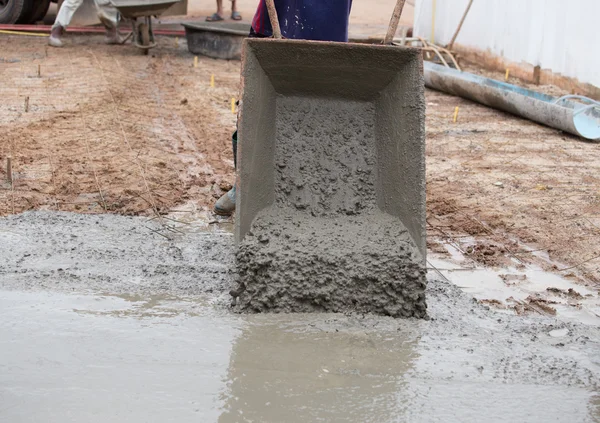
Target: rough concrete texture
[331,199]
[66,252]
[302,263]
[118,353]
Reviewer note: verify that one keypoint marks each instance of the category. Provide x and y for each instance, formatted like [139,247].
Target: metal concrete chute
[330,213]
[581,117]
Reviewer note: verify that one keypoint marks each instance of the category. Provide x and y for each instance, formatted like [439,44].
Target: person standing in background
[315,20]
[220,14]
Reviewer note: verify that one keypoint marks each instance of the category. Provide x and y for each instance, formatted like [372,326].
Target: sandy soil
[107,129]
[502,188]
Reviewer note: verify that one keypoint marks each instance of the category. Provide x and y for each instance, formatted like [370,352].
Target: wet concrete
[301,263]
[165,349]
[506,286]
[66,252]
[331,199]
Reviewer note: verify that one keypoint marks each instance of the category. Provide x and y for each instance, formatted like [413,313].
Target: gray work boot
[55,35]
[225,206]
[112,31]
[113,37]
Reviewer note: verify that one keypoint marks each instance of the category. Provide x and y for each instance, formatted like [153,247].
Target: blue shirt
[318,20]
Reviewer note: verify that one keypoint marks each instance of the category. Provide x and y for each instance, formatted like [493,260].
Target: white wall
[560,35]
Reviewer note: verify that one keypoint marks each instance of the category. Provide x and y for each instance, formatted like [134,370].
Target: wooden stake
[394,22]
[195,61]
[455,114]
[39,71]
[507,74]
[273,18]
[26,104]
[233,105]
[537,75]
[212,80]
[462,20]
[9,170]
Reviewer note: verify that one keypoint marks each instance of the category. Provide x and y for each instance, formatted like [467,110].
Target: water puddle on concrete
[131,358]
[529,289]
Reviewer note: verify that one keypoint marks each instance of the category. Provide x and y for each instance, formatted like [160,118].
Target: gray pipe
[575,118]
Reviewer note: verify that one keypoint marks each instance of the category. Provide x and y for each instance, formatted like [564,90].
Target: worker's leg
[109,16]
[66,12]
[235,15]
[63,19]
[225,205]
[218,16]
[107,13]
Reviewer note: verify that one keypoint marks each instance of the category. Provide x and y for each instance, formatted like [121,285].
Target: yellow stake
[507,74]
[195,61]
[455,114]
[176,41]
[233,105]
[212,80]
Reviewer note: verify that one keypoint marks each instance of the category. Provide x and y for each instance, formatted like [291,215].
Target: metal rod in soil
[9,170]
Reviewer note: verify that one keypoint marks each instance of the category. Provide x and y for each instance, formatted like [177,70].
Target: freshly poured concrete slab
[331,204]
[105,320]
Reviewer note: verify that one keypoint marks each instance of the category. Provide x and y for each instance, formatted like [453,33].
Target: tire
[12,10]
[28,6]
[145,36]
[39,11]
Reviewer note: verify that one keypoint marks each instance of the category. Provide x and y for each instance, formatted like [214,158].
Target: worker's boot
[225,206]
[55,34]
[112,31]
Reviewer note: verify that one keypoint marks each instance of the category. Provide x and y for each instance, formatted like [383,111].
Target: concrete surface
[332,179]
[95,253]
[159,348]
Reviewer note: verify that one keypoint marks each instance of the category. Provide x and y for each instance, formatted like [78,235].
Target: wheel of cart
[140,13]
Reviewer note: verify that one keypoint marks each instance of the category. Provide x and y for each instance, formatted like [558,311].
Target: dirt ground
[504,190]
[107,129]
[92,129]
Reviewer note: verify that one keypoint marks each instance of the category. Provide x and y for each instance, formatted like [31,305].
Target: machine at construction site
[331,177]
